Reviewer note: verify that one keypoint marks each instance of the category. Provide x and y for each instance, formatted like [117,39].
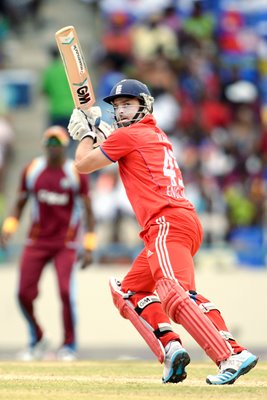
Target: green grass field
[127,380]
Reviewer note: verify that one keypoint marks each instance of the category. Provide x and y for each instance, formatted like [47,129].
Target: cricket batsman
[160,285]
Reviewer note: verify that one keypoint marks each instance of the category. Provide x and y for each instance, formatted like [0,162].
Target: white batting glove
[94,115]
[80,127]
[102,128]
[103,131]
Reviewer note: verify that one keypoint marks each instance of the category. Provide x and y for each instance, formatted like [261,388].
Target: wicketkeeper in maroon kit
[60,202]
[160,286]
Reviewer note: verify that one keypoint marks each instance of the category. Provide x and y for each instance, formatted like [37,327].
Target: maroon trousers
[33,261]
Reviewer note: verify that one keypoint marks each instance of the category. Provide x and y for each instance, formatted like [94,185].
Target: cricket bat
[75,67]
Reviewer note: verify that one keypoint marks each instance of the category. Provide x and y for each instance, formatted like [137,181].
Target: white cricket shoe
[66,353]
[232,368]
[176,359]
[36,352]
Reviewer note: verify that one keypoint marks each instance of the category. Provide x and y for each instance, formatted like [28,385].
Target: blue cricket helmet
[131,88]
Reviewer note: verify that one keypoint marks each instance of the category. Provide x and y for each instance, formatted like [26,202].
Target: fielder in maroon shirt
[59,194]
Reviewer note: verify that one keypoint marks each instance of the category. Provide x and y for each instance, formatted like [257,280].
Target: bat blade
[75,67]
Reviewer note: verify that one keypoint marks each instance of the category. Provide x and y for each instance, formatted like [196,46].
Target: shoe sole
[247,366]
[177,372]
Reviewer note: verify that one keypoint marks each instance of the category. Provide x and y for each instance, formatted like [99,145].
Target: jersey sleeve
[118,144]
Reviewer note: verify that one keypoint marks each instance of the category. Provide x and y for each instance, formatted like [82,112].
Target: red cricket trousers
[171,241]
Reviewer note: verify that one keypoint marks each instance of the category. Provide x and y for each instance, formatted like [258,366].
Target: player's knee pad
[128,311]
[182,310]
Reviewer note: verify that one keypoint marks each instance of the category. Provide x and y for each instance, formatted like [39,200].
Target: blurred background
[205,63]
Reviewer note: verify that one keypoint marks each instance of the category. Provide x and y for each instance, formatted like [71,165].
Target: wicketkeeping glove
[80,126]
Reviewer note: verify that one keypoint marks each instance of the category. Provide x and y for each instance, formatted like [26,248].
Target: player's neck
[56,162]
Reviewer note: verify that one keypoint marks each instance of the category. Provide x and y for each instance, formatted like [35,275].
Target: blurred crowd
[206,68]
[205,63]
[14,14]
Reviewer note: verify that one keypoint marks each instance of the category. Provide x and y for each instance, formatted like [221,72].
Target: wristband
[89,241]
[88,135]
[10,225]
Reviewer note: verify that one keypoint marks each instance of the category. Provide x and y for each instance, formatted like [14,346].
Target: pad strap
[146,301]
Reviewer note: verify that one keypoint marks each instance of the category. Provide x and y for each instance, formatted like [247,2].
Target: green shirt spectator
[55,87]
[200,24]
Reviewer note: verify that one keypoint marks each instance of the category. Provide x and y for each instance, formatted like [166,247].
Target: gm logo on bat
[83,94]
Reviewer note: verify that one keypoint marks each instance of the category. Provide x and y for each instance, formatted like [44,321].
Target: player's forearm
[11,222]
[83,148]
[19,206]
[83,156]
[89,159]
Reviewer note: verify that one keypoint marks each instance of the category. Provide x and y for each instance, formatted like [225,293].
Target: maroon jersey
[55,193]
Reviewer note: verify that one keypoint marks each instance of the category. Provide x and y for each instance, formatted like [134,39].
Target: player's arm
[89,159]
[89,239]
[10,224]
[86,130]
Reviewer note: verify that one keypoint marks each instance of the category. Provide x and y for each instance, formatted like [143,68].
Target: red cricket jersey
[148,169]
[55,194]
